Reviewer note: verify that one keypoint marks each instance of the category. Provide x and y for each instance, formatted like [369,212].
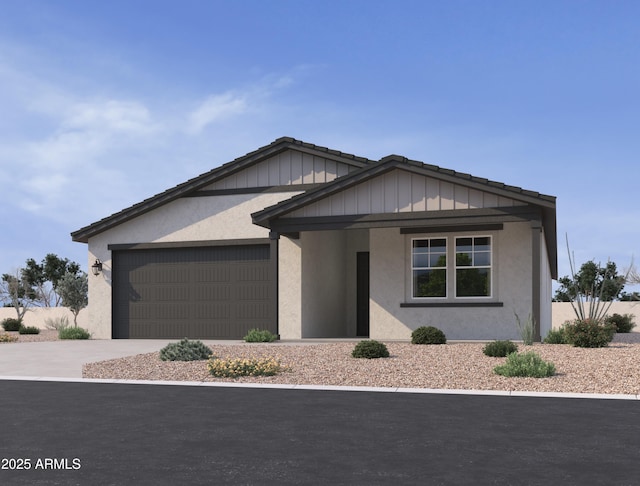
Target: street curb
[426,391]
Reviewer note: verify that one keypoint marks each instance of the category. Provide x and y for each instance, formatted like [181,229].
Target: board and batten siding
[285,169]
[401,191]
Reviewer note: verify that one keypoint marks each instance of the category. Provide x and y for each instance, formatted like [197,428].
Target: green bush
[28,330]
[526,365]
[370,349]
[556,336]
[500,349]
[73,333]
[623,323]
[234,368]
[11,324]
[588,333]
[260,336]
[185,350]
[428,335]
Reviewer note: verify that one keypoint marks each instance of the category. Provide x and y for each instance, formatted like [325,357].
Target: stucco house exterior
[310,242]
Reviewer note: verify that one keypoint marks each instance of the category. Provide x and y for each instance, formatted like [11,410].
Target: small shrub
[8,338]
[259,336]
[11,324]
[624,323]
[56,323]
[525,365]
[28,330]
[370,349]
[234,368]
[185,350]
[500,349]
[428,335]
[556,336]
[73,333]
[588,333]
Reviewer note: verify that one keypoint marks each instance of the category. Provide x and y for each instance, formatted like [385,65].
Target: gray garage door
[217,292]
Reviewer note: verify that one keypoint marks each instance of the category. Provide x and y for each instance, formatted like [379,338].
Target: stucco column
[536,234]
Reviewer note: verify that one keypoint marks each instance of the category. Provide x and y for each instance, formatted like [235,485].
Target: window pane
[463,259]
[438,260]
[482,259]
[473,282]
[420,260]
[464,244]
[429,283]
[439,244]
[482,244]
[421,243]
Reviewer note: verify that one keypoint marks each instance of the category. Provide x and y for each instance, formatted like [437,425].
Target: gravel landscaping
[612,370]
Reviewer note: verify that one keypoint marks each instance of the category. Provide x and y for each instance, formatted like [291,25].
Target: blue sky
[104,104]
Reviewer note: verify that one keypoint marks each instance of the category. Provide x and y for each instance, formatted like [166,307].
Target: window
[429,267]
[473,266]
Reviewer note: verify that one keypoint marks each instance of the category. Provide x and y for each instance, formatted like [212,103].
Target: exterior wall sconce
[96,268]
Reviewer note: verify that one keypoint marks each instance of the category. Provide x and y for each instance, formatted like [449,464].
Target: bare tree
[15,289]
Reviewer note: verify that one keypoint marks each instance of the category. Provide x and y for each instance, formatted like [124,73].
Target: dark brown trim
[452,304]
[253,190]
[188,244]
[422,219]
[452,229]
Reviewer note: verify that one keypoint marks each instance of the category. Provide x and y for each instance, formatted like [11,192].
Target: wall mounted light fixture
[96,268]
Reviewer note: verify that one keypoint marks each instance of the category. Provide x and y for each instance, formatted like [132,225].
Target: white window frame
[445,268]
[456,267]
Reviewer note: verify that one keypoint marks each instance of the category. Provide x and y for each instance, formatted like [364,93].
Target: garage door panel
[198,292]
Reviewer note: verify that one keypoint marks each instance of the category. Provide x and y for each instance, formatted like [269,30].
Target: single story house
[310,242]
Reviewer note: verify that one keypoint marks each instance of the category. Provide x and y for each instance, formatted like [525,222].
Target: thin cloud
[216,108]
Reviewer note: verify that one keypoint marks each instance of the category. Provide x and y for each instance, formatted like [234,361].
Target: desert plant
[233,368]
[555,336]
[74,290]
[73,333]
[589,301]
[526,365]
[56,323]
[500,349]
[28,330]
[11,324]
[588,333]
[428,335]
[624,323]
[260,336]
[185,350]
[527,329]
[370,348]
[8,338]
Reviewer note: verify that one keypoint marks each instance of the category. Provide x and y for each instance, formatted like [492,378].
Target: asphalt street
[131,434]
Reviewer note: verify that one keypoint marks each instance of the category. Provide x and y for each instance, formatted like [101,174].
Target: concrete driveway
[65,358]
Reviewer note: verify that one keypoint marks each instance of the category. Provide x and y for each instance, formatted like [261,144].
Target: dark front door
[362,293]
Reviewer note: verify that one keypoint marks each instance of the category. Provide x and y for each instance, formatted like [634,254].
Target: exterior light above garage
[96,268]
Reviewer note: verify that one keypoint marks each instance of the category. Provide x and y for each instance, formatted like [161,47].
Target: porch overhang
[455,220]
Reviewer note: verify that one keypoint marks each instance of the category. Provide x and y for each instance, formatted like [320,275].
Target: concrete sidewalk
[65,358]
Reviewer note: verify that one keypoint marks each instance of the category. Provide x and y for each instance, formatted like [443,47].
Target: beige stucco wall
[186,219]
[289,288]
[563,311]
[37,316]
[546,313]
[323,284]
[512,280]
